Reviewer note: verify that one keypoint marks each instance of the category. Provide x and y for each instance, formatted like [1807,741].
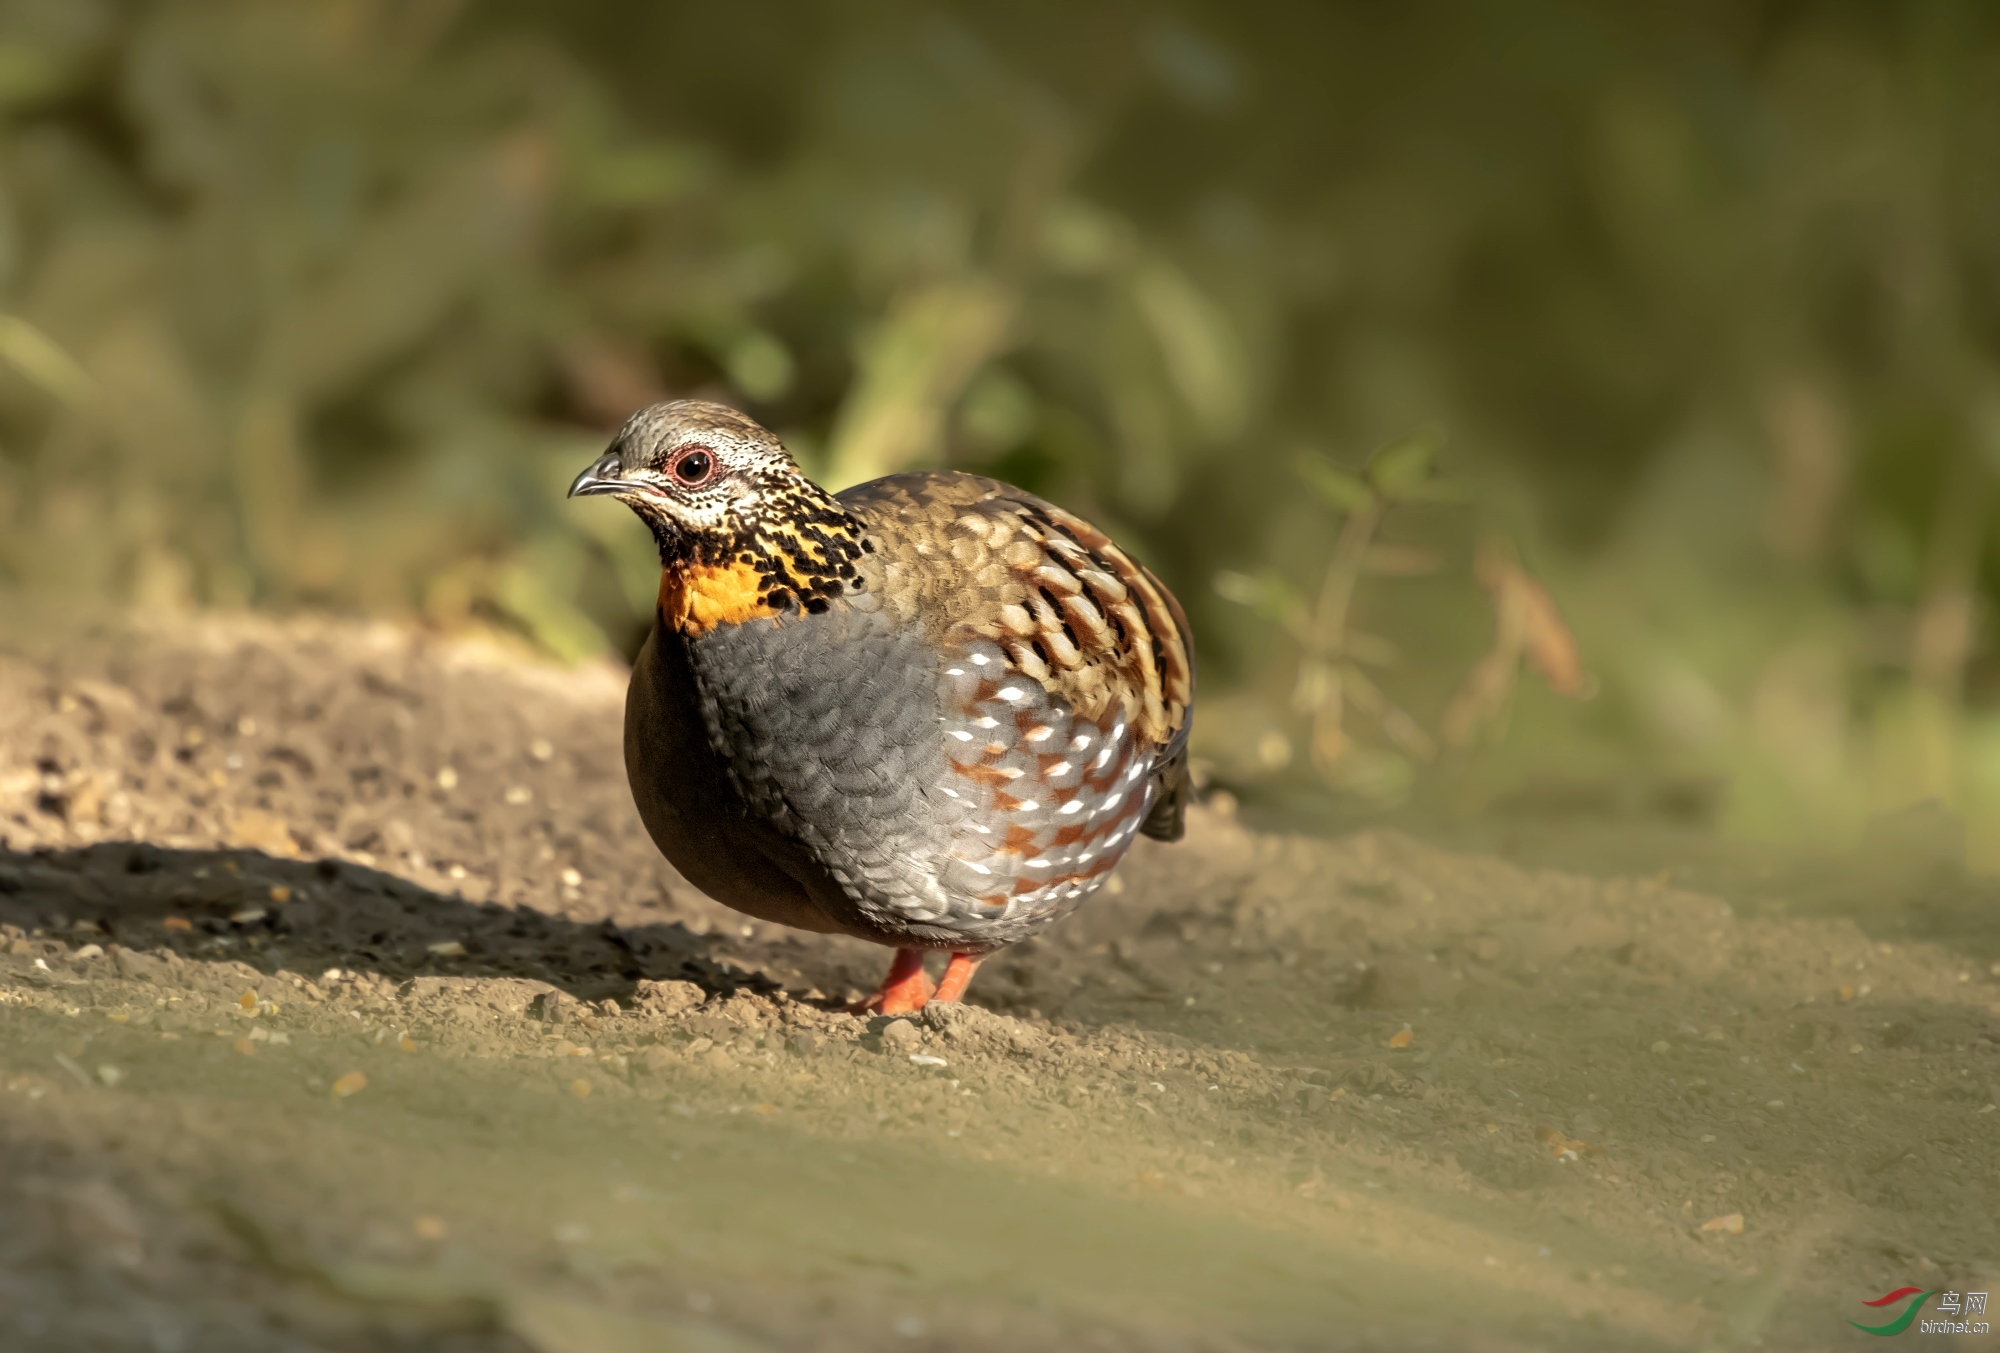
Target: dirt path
[344,1006]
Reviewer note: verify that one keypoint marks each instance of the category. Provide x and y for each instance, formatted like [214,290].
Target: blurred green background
[1385,333]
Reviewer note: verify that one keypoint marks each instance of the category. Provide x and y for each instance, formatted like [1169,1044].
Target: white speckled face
[703,467]
[696,472]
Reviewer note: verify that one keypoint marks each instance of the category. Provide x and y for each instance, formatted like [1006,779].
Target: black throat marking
[803,546]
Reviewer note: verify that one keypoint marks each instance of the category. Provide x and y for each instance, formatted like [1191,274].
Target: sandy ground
[344,1005]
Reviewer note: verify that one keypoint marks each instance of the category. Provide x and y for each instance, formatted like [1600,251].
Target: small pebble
[899,1034]
[580,1088]
[353,1083]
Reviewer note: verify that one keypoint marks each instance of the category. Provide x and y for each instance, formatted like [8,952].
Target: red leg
[904,991]
[957,976]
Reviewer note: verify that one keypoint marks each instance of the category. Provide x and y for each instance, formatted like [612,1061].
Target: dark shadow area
[142,902]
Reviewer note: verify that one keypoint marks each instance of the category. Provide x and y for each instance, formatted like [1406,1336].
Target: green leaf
[1240,588]
[43,360]
[760,366]
[1340,490]
[1199,345]
[1401,471]
[537,588]
[31,75]
[1269,595]
[640,176]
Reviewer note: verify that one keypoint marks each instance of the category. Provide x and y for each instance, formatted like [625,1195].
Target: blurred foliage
[320,303]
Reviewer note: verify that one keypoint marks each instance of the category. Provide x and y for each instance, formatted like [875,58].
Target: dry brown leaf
[1527,626]
[1563,1146]
[1551,648]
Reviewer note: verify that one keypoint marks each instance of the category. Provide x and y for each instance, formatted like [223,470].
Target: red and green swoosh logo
[1917,1297]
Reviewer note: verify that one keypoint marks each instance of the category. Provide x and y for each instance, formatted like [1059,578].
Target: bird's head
[700,475]
[742,532]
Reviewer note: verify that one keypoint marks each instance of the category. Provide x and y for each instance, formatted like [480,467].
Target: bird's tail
[1167,818]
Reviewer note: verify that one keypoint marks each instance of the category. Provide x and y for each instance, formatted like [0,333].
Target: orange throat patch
[694,600]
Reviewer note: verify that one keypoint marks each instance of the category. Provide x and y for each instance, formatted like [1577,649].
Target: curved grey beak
[606,474]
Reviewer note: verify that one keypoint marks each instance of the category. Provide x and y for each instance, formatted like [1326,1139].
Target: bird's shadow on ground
[306,916]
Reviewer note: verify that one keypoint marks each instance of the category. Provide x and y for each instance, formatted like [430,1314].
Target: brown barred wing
[1072,611]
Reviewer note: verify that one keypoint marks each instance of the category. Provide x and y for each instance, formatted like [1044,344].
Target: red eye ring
[694,466]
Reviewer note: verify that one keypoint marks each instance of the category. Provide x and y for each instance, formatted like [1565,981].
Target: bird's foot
[957,976]
[907,989]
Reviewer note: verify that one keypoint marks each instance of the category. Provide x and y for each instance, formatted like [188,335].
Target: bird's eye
[694,467]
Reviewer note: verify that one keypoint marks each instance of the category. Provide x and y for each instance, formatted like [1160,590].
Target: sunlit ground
[1273,1093]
